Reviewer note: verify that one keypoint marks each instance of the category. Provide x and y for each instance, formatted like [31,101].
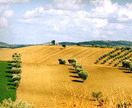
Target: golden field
[47,84]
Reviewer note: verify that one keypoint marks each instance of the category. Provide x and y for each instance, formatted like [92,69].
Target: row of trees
[78,68]
[121,56]
[105,55]
[127,64]
[114,55]
[16,69]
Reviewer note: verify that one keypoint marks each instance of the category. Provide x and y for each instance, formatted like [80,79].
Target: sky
[39,21]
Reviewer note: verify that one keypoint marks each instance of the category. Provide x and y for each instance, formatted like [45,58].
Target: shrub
[98,97]
[130,66]
[53,42]
[125,64]
[8,103]
[78,66]
[63,46]
[71,61]
[17,65]
[16,57]
[61,61]
[16,83]
[16,70]
[79,69]
[83,75]
[123,105]
[16,77]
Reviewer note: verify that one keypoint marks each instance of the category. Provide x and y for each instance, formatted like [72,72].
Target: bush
[16,83]
[16,70]
[61,61]
[99,98]
[16,77]
[125,64]
[8,103]
[63,46]
[123,105]
[17,65]
[72,61]
[16,57]
[83,75]
[78,66]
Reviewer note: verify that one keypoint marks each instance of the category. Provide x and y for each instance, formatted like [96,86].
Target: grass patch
[6,90]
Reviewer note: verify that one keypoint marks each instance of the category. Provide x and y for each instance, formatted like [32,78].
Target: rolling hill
[47,84]
[109,43]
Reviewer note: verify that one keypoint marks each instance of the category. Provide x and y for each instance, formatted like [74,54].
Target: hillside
[109,43]
[47,84]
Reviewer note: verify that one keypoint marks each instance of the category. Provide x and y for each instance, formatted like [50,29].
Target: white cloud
[68,4]
[3,22]
[105,21]
[107,9]
[5,13]
[14,1]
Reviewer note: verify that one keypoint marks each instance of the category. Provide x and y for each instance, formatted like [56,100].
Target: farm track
[46,84]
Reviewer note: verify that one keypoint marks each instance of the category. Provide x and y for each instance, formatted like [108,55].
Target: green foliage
[8,103]
[72,61]
[61,61]
[99,98]
[123,105]
[53,42]
[5,89]
[96,95]
[83,75]
[16,83]
[15,70]
[16,77]
[16,58]
[17,65]
[63,46]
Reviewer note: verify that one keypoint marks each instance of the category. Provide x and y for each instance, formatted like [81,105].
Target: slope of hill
[46,84]
[110,43]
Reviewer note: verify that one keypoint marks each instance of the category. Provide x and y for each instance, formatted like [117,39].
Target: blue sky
[39,21]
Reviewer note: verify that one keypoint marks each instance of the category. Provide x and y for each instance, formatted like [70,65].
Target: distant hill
[5,45]
[110,43]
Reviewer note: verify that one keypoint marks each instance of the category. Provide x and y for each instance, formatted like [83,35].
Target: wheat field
[47,84]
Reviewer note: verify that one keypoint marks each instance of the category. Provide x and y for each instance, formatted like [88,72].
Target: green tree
[53,42]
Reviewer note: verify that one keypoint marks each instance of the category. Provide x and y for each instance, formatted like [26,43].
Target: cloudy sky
[39,21]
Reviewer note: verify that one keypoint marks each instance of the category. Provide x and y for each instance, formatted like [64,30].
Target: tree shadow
[10,80]
[127,72]
[8,71]
[73,72]
[71,69]
[9,67]
[123,68]
[10,84]
[74,76]
[77,81]
[11,87]
[8,76]
[68,64]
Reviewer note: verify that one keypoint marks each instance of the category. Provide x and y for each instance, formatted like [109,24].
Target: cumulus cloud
[104,21]
[68,4]
[107,9]
[14,1]
[5,13]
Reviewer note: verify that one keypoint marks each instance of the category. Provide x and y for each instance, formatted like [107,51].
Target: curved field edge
[45,83]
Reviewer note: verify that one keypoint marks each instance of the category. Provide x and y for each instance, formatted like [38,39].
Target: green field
[7,89]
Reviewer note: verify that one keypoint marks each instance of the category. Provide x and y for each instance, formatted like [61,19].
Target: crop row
[16,69]
[78,68]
